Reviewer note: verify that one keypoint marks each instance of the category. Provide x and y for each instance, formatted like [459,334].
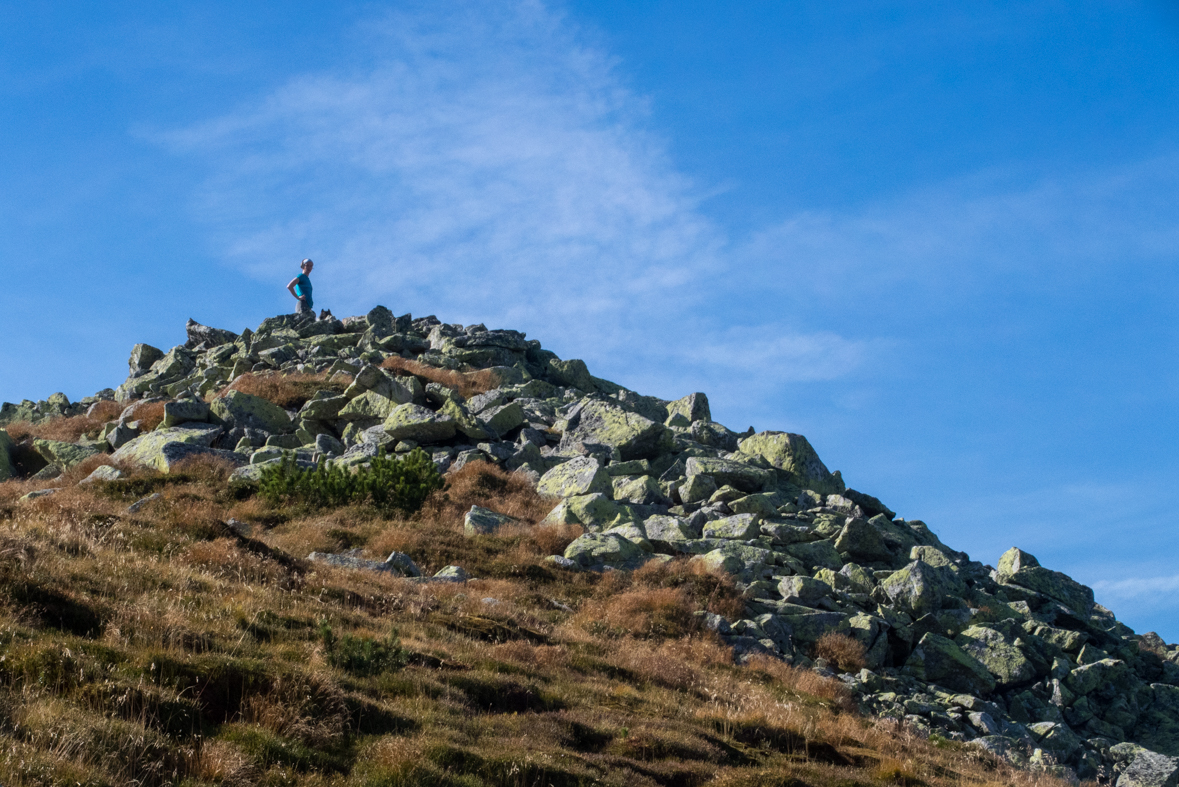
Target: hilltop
[610,589]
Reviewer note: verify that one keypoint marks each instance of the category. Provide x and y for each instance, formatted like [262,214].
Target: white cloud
[1137,588]
[490,165]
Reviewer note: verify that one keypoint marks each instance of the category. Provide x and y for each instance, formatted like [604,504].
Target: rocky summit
[1016,658]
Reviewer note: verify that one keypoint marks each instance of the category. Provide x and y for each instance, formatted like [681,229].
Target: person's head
[306,266]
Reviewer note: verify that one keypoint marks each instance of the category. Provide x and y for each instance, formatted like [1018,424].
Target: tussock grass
[290,391]
[162,648]
[68,430]
[845,652]
[467,384]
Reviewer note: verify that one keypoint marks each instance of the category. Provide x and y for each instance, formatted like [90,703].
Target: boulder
[816,554]
[938,660]
[918,588]
[860,541]
[745,563]
[183,411]
[326,408]
[643,490]
[572,373]
[142,358]
[1150,769]
[64,455]
[668,531]
[1007,663]
[368,406]
[148,450]
[684,412]
[763,504]
[792,454]
[580,476]
[698,488]
[595,550]
[1020,568]
[204,335]
[413,422]
[726,472]
[245,410]
[803,590]
[739,527]
[596,511]
[501,419]
[1158,724]
[605,423]
[103,473]
[484,521]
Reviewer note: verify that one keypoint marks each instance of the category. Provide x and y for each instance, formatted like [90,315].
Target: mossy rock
[793,454]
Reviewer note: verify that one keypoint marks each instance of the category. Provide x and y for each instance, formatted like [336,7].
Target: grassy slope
[161,647]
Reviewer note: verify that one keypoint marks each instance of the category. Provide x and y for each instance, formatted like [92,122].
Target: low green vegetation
[389,484]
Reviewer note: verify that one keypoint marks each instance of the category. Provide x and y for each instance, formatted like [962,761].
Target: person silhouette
[300,288]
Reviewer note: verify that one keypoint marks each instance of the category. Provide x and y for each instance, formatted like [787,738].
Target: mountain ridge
[1017,660]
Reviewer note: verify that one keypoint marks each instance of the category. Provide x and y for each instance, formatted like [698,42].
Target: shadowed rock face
[1018,659]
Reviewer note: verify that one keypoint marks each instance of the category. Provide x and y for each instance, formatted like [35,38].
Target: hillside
[610,589]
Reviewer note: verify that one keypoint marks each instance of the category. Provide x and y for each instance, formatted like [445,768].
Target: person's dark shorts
[304,307]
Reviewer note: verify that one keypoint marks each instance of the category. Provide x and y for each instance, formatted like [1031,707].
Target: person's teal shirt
[303,287]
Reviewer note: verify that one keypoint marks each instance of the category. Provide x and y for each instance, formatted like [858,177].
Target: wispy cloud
[488,163]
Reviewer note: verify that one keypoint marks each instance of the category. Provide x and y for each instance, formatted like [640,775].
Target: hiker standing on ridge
[300,287]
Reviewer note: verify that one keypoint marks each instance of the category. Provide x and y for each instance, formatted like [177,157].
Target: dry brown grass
[846,653]
[67,430]
[289,391]
[516,692]
[489,486]
[468,384]
[149,415]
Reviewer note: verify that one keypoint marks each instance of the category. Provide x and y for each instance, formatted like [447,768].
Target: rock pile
[1016,659]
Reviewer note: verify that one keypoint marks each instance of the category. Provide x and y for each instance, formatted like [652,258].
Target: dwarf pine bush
[363,656]
[389,484]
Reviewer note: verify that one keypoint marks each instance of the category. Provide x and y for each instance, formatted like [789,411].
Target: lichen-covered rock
[593,550]
[147,449]
[745,563]
[1150,769]
[369,406]
[183,411]
[482,521]
[739,527]
[603,423]
[1020,568]
[643,490]
[582,475]
[142,358]
[64,455]
[684,412]
[816,554]
[1007,663]
[918,588]
[413,422]
[803,590]
[697,489]
[103,473]
[669,531]
[763,504]
[323,409]
[501,419]
[726,472]
[596,511]
[245,410]
[860,541]
[938,660]
[793,454]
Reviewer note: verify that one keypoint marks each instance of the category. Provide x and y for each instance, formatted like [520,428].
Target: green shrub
[389,484]
[363,656]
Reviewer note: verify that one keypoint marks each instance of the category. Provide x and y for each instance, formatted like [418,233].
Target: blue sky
[939,239]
